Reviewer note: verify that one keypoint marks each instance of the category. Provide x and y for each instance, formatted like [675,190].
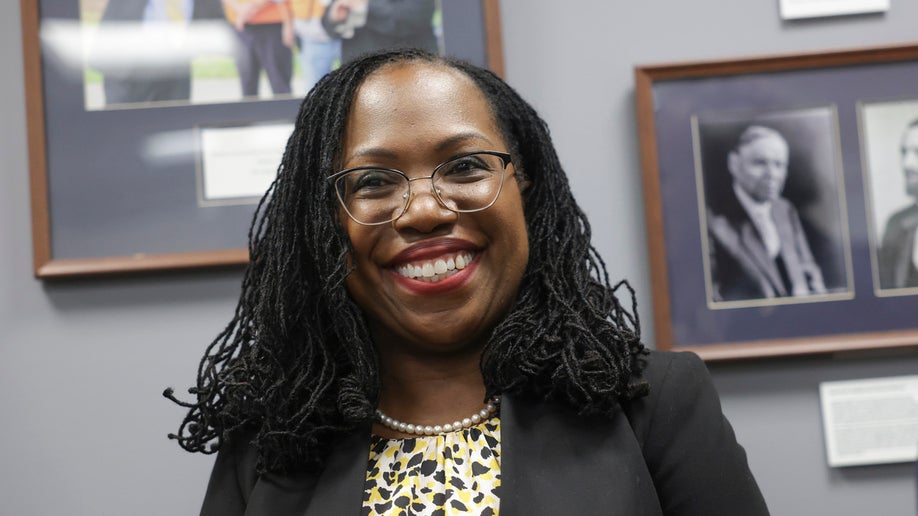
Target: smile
[433,271]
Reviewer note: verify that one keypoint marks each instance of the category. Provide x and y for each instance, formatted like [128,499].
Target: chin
[771,195]
[444,346]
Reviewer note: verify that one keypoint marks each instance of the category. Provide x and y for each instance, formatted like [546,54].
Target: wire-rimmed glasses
[466,183]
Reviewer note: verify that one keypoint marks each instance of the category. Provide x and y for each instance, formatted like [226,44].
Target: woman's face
[412,117]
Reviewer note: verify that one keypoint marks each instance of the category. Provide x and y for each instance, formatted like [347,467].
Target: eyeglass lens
[465,184]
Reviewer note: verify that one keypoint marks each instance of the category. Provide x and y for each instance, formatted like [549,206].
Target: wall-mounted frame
[808,140]
[116,189]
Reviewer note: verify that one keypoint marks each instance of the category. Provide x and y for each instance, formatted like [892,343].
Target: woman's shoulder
[679,386]
[663,367]
[688,445]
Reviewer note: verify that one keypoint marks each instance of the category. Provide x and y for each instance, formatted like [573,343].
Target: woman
[420,255]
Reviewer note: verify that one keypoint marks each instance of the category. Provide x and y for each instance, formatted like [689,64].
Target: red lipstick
[430,249]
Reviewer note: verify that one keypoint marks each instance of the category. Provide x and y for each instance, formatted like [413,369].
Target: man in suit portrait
[757,245]
[897,255]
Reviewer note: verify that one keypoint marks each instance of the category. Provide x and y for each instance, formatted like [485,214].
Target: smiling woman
[424,328]
[414,117]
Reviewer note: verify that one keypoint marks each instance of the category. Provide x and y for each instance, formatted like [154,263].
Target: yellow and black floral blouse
[453,473]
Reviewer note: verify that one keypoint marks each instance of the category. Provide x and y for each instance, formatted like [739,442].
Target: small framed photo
[889,138]
[779,211]
[772,188]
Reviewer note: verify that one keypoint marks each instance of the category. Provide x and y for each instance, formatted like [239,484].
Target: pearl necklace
[407,428]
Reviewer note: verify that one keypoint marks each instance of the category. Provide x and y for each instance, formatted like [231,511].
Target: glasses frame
[505,158]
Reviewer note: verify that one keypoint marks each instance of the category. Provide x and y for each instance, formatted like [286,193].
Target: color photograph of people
[772,192]
[889,132]
[143,53]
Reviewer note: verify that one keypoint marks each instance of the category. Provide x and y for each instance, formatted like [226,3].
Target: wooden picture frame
[710,295]
[147,218]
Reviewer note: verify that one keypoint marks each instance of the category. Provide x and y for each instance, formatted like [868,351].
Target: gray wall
[82,363]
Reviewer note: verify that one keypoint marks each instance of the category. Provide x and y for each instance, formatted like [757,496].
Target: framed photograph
[781,203]
[156,126]
[889,130]
[772,190]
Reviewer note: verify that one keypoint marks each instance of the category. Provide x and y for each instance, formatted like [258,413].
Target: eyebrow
[452,141]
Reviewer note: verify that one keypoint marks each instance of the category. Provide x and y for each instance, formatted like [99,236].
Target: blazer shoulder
[689,447]
[908,213]
[910,210]
[659,366]
[668,374]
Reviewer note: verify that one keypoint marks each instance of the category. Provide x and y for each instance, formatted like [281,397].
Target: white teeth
[436,270]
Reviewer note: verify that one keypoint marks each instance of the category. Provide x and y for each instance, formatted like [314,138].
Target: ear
[523,183]
[733,162]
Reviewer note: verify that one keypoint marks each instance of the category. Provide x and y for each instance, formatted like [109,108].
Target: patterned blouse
[452,473]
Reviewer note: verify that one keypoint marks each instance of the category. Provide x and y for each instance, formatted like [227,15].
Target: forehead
[418,104]
[765,144]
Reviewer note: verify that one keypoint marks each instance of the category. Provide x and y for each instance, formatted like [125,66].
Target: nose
[776,171]
[771,172]
[424,212]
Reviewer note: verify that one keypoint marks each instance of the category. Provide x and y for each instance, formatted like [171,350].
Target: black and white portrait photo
[889,137]
[774,216]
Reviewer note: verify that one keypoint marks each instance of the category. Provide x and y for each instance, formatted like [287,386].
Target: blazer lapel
[756,249]
[341,485]
[556,462]
[903,264]
[338,489]
[791,251]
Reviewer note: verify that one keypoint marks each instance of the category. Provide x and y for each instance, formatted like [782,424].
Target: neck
[428,388]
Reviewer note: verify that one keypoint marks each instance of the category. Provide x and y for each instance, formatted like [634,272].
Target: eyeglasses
[467,183]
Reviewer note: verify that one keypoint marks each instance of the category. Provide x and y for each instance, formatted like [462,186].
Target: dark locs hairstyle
[296,367]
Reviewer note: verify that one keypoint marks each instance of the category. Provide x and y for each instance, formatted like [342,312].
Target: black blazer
[896,267]
[740,266]
[672,453]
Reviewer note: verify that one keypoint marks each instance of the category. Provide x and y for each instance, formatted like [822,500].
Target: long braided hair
[296,366]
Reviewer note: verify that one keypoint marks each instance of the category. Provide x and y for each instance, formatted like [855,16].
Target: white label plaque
[872,421]
[240,162]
